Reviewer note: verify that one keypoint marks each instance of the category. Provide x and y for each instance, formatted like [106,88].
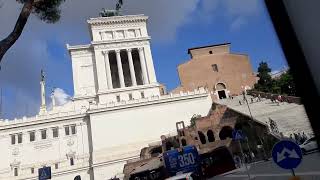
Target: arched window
[220,86]
[169,145]
[225,132]
[202,137]
[156,151]
[210,135]
[183,142]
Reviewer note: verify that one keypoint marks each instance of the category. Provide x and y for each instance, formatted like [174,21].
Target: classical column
[143,66]
[120,71]
[131,66]
[108,69]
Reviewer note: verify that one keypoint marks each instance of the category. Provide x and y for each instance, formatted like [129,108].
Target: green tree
[286,84]
[193,119]
[46,10]
[265,81]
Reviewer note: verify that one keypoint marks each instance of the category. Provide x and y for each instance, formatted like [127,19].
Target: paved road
[309,169]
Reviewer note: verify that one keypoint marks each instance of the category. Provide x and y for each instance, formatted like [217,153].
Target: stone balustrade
[57,113]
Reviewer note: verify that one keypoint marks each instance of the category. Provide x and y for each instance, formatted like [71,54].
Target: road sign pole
[262,144]
[245,164]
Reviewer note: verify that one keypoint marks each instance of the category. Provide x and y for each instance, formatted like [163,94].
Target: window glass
[66,130]
[73,129]
[214,67]
[32,170]
[20,138]
[71,161]
[130,96]
[118,98]
[13,139]
[32,136]
[142,94]
[15,171]
[44,134]
[56,165]
[55,132]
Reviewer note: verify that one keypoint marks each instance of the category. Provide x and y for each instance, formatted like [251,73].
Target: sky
[174,26]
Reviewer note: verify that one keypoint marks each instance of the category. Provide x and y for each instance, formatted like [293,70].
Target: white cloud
[22,64]
[237,23]
[60,96]
[237,12]
[242,7]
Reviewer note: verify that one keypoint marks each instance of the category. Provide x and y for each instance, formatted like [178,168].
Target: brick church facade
[216,68]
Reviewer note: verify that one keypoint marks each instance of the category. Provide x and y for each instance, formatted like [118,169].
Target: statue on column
[110,13]
[42,75]
[43,93]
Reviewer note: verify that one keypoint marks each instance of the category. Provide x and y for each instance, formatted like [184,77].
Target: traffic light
[77,177]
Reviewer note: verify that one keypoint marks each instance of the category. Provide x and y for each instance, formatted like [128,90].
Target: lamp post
[244,97]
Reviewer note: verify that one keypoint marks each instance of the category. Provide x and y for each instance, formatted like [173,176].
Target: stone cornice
[132,88]
[77,47]
[147,101]
[50,118]
[121,44]
[80,50]
[117,20]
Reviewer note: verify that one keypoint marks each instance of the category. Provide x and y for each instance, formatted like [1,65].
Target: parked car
[309,145]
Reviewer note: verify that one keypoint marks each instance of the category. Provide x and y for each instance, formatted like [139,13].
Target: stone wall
[289,99]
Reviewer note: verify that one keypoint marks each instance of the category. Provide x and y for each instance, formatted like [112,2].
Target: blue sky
[174,26]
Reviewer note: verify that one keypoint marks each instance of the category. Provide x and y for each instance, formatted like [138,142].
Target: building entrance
[222,94]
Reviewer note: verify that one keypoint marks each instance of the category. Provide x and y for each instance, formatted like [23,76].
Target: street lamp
[244,97]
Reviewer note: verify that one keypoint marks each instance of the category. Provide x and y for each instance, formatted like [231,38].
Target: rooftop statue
[42,75]
[110,13]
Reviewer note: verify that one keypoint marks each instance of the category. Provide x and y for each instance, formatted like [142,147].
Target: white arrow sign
[292,154]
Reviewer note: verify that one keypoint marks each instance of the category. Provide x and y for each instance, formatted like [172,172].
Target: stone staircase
[290,117]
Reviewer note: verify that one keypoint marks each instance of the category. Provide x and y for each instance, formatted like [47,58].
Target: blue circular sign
[287,154]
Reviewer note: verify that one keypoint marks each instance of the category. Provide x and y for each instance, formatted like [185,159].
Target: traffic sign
[44,173]
[237,135]
[287,154]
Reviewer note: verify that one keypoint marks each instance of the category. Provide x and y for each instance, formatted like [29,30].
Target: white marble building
[116,110]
